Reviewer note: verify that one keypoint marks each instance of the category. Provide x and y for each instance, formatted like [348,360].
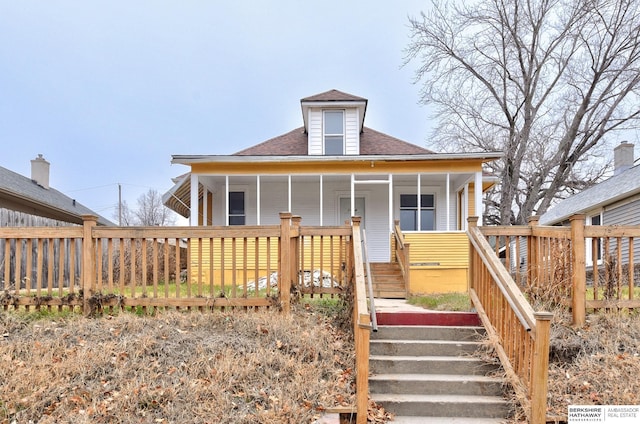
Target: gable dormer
[333,122]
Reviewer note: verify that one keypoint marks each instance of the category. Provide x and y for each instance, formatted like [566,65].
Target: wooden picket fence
[552,262]
[91,267]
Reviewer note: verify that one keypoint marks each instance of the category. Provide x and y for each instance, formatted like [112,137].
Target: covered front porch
[421,202]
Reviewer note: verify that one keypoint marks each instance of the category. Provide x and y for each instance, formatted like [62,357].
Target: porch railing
[520,335]
[401,255]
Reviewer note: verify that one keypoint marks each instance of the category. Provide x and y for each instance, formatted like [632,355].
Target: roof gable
[294,143]
[333,96]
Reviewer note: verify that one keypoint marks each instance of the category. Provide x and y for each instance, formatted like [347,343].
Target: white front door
[345,210]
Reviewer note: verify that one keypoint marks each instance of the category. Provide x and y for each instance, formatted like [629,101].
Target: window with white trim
[594,220]
[409,212]
[333,132]
[236,208]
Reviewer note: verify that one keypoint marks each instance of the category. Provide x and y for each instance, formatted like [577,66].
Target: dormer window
[333,132]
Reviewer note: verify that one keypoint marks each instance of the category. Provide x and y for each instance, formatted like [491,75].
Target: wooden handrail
[402,255]
[361,326]
[520,336]
[503,280]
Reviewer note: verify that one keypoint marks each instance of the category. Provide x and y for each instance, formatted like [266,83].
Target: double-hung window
[333,132]
[409,210]
[236,208]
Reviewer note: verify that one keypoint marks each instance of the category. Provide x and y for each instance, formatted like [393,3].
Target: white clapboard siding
[352,133]
[315,132]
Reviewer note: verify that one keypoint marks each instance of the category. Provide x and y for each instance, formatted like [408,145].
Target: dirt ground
[231,367]
[250,367]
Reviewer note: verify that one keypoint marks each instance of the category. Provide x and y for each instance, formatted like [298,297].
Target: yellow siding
[439,262]
[211,253]
[340,167]
[434,249]
[425,281]
[325,253]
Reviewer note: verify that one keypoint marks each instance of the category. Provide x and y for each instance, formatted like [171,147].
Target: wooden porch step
[387,280]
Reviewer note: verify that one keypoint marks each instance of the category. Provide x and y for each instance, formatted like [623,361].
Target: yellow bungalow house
[334,167]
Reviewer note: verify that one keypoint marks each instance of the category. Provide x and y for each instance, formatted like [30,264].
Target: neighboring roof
[616,188]
[333,96]
[45,202]
[372,142]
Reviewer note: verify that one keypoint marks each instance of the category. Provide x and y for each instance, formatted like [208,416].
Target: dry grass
[595,365]
[231,367]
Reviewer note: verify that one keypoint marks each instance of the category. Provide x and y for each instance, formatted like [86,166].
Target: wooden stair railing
[361,325]
[401,255]
[519,335]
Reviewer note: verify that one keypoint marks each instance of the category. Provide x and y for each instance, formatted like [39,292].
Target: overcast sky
[107,91]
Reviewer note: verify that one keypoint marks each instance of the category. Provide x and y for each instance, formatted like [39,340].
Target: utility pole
[119,204]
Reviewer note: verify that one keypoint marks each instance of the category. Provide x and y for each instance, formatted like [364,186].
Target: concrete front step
[436,384]
[423,347]
[451,319]
[428,332]
[381,364]
[443,405]
[428,374]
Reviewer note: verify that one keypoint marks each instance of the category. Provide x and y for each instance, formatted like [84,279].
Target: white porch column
[390,203]
[226,200]
[257,199]
[419,199]
[448,200]
[193,209]
[353,195]
[321,201]
[289,208]
[205,202]
[478,197]
[465,210]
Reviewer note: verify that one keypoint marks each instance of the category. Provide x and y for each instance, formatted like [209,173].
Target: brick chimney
[622,157]
[40,171]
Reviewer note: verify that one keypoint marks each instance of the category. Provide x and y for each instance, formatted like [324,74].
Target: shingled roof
[618,187]
[333,96]
[294,143]
[17,189]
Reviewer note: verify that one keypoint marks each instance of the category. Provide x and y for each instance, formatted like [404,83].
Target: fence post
[295,250]
[88,261]
[285,262]
[540,368]
[579,275]
[533,264]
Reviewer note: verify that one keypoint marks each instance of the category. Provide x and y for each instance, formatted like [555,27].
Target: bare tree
[150,212]
[548,82]
[124,215]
